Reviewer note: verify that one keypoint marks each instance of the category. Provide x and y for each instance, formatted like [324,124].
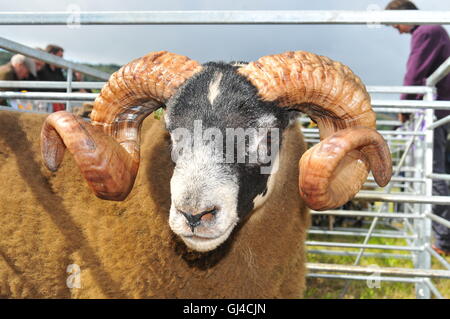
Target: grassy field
[359,289]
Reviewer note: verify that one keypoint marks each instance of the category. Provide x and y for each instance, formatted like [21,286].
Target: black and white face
[225,146]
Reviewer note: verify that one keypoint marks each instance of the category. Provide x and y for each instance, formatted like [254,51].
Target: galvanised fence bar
[225,17]
[402,210]
[50,85]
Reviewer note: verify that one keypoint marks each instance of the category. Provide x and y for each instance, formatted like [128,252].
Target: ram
[215,209]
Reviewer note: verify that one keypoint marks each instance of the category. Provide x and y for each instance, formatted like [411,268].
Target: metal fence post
[423,226]
[69,88]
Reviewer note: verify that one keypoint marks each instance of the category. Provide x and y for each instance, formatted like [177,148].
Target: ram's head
[226,123]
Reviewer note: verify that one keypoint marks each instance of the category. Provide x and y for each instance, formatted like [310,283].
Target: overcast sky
[377,55]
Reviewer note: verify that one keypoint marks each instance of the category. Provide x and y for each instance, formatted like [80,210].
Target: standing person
[51,72]
[430,47]
[20,67]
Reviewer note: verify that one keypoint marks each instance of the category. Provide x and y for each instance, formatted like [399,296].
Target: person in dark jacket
[51,72]
[430,47]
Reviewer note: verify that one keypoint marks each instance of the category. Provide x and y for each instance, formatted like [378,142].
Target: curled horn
[107,149]
[333,171]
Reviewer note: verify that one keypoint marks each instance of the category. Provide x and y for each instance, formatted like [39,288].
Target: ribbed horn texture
[335,99]
[107,149]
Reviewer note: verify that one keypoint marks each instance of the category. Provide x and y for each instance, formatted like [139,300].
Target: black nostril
[195,220]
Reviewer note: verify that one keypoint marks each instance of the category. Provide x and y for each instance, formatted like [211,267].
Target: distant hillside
[5,56]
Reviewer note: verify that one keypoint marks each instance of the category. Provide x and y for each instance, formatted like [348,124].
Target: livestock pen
[401,212]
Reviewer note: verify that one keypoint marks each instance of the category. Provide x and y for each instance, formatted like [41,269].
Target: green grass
[359,289]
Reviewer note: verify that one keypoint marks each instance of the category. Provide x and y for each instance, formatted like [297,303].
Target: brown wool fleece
[126,249]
